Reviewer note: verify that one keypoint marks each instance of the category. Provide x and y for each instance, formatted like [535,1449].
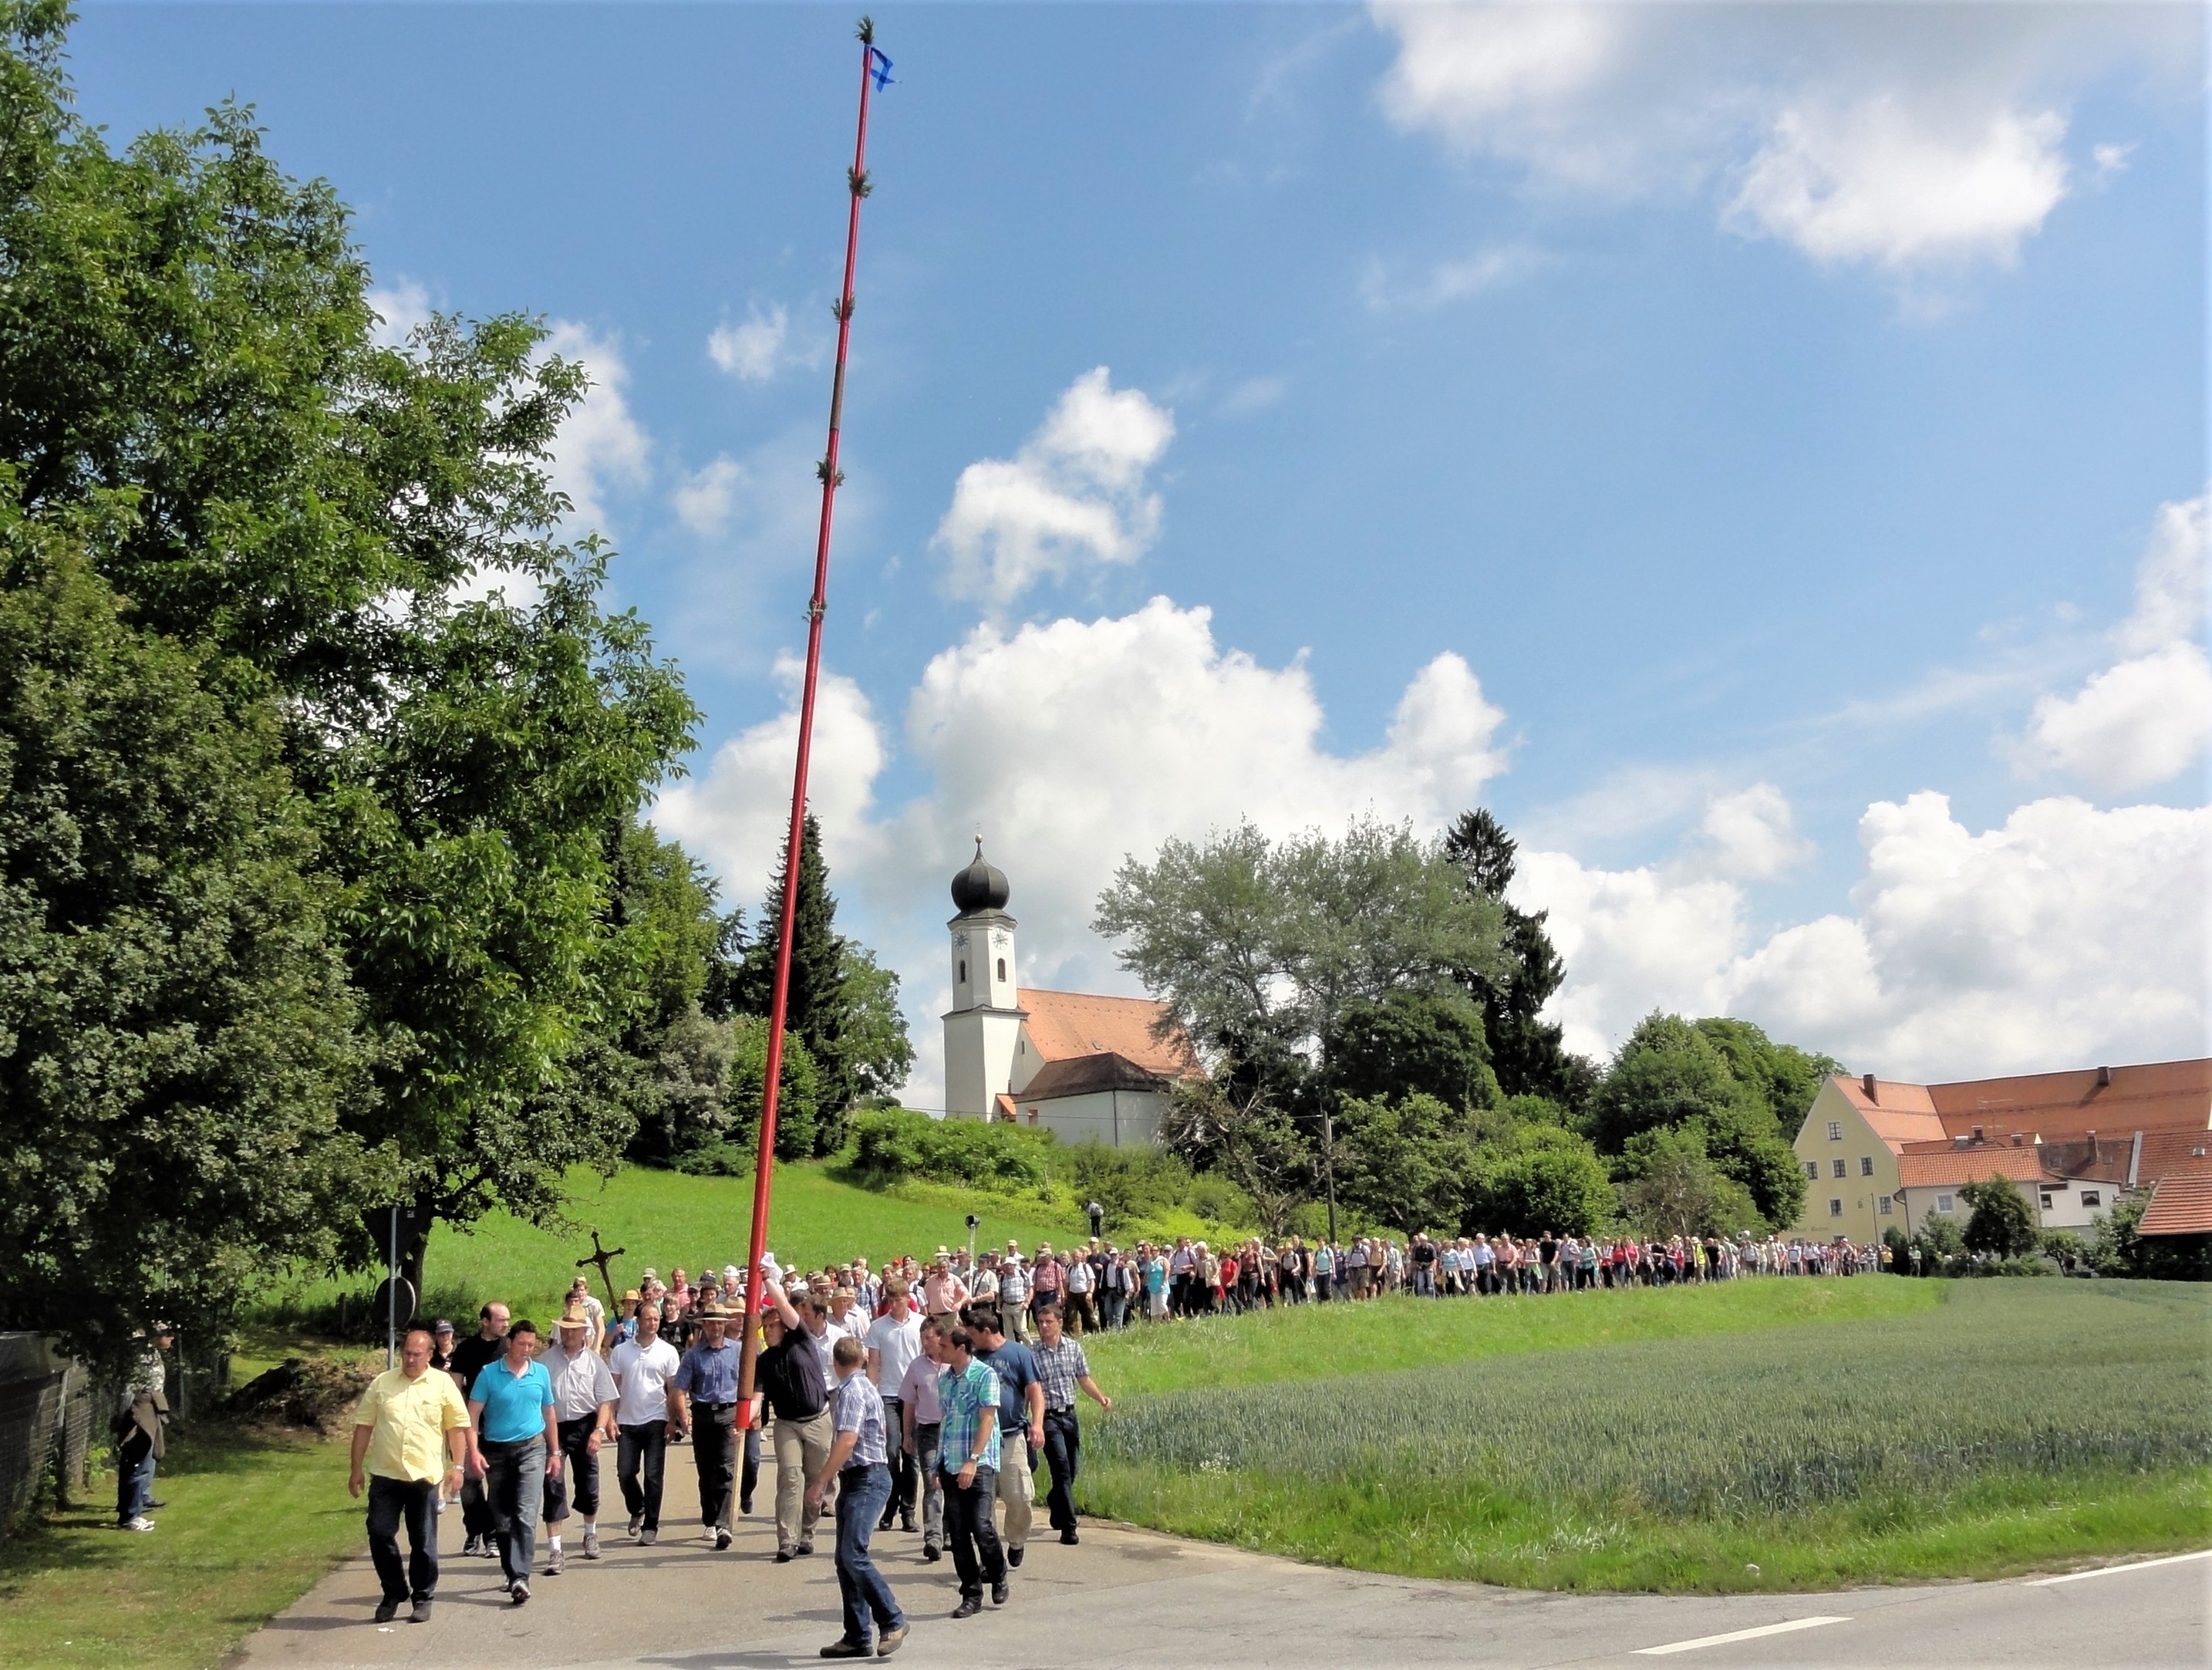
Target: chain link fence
[49,1419]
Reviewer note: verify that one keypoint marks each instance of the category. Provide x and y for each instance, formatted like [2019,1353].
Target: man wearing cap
[1014,1292]
[441,1345]
[702,1400]
[519,1444]
[642,1368]
[410,1438]
[789,1373]
[858,1461]
[584,1399]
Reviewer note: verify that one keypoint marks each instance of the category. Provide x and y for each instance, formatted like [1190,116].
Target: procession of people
[922,1398]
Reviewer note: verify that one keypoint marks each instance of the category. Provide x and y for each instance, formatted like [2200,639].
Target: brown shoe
[887,1642]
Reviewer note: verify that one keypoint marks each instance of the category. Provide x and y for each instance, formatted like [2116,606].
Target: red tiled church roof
[1064,1025]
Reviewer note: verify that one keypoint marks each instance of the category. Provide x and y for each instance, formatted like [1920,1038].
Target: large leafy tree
[358,548]
[1526,1051]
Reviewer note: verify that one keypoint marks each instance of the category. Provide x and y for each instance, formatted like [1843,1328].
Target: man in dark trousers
[410,1445]
[487,1345]
[1061,1368]
[702,1400]
[1021,1422]
[967,1456]
[137,1427]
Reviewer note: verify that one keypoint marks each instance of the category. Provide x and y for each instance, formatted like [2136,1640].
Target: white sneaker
[138,1523]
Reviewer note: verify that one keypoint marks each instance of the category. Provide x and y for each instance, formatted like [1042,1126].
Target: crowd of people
[920,1396]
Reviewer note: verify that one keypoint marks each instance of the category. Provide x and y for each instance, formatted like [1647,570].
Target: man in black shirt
[789,1377]
[487,1345]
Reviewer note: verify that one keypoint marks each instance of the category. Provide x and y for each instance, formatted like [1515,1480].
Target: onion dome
[980,886]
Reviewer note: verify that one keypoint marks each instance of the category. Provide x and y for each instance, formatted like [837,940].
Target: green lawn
[253,1521]
[1726,1438]
[666,1218]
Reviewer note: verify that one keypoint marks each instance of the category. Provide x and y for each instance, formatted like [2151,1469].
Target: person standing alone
[410,1438]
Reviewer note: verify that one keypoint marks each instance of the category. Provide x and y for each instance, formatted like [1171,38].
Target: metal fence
[48,1425]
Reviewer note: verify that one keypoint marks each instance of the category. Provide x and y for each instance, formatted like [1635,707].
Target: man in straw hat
[702,1400]
[583,1404]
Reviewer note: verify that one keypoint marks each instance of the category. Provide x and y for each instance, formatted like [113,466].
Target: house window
[1812,1171]
[1884,1201]
[1839,1168]
[2090,1198]
[1835,1130]
[1866,1165]
[1002,967]
[1942,1203]
[1835,1208]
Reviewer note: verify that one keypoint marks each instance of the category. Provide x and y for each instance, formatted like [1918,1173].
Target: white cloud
[2066,935]
[761,346]
[1753,834]
[1449,281]
[1254,394]
[1881,183]
[705,500]
[2110,159]
[1899,138]
[2147,718]
[399,308]
[600,446]
[1074,494]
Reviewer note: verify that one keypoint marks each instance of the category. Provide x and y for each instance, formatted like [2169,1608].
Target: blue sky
[1705,434]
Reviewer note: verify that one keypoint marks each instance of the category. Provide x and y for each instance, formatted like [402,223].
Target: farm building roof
[1969,1165]
[2179,1206]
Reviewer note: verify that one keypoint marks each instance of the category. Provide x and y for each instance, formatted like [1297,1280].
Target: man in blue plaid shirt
[1062,1368]
[968,1454]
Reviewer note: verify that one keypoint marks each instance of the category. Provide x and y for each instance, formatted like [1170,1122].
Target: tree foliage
[1537,1177]
[1998,1221]
[1674,1188]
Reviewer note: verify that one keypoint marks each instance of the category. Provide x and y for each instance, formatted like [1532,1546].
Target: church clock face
[960,939]
[999,941]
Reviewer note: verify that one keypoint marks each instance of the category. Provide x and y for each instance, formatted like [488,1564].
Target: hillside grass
[2001,1427]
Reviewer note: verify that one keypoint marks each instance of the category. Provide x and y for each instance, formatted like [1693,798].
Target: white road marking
[2107,1571]
[1738,1635]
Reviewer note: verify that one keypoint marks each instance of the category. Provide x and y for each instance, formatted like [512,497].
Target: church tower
[985,1021]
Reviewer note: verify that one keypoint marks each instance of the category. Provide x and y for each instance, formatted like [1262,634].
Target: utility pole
[875,72]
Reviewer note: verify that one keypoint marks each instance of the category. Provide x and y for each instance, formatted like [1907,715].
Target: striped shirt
[855,1406]
[1059,1367]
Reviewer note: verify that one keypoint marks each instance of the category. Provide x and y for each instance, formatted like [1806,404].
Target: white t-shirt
[896,1345]
[642,1376]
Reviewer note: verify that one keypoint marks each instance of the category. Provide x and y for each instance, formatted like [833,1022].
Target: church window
[964,972]
[1002,967]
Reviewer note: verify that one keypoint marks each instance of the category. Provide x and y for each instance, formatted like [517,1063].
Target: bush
[1999,1221]
[899,1143]
[1131,1183]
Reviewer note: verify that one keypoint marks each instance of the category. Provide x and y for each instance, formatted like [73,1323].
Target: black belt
[697,1405]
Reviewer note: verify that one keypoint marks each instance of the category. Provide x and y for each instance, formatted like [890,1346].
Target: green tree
[1403,1160]
[1526,1051]
[365,542]
[1998,1222]
[798,1107]
[1538,1177]
[176,1034]
[1423,1040]
[2121,1248]
[1786,1077]
[1223,1122]
[1672,1188]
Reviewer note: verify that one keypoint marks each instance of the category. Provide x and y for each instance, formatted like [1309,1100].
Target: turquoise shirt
[515,1405]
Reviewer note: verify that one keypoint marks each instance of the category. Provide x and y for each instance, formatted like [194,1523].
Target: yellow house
[1848,1148]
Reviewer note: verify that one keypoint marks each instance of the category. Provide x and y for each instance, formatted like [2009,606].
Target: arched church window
[963,973]
[1002,967]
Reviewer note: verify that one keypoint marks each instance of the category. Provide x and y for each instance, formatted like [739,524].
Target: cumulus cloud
[2148,718]
[1753,834]
[1903,139]
[601,447]
[758,346]
[2067,934]
[705,499]
[1074,495]
[399,308]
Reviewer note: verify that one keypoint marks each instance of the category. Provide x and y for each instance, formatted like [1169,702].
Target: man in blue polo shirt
[512,1406]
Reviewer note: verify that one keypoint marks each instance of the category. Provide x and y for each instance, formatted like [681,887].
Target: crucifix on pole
[603,1256]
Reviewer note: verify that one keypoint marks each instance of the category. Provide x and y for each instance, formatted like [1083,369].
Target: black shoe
[998,1593]
[968,1607]
[745,1502]
[1069,1538]
[387,1611]
[151,1504]
[1014,1556]
[845,1647]
[907,1525]
[722,1539]
[884,1523]
[421,1614]
[932,1552]
[806,1545]
[783,1557]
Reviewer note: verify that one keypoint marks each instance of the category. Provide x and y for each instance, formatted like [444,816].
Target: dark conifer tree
[815,1010]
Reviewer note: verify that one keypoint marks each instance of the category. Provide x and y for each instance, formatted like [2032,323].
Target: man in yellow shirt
[412,1431]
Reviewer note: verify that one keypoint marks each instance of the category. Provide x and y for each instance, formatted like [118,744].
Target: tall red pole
[764,1164]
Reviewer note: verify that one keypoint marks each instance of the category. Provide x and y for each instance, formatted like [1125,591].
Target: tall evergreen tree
[1526,1052]
[814,1009]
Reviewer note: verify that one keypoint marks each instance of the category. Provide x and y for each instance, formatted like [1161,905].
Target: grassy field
[253,1521]
[666,1218]
[1682,1442]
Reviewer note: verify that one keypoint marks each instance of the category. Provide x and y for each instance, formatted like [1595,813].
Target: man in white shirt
[1014,1293]
[642,1368]
[894,1341]
[583,1405]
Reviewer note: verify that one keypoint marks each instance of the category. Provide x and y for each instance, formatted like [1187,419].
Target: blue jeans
[514,1487]
[861,1493]
[134,1475]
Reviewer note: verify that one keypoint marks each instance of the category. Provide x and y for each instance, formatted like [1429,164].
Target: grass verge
[2014,1425]
[253,1522]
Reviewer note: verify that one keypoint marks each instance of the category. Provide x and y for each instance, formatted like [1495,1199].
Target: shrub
[1999,1223]
[899,1143]
[1131,1183]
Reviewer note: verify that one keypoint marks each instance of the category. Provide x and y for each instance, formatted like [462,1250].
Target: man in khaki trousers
[790,1382]
[1021,1423]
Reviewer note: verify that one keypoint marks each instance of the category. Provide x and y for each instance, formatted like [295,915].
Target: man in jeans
[893,1342]
[858,1460]
[583,1408]
[1063,1368]
[968,1457]
[922,1414]
[511,1406]
[412,1436]
[642,1368]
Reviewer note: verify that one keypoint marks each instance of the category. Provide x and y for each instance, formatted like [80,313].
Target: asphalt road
[1129,1598]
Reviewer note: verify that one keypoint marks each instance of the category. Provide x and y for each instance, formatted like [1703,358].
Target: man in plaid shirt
[1062,1368]
[967,1454]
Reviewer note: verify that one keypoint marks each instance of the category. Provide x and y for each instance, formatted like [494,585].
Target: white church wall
[1119,1119]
